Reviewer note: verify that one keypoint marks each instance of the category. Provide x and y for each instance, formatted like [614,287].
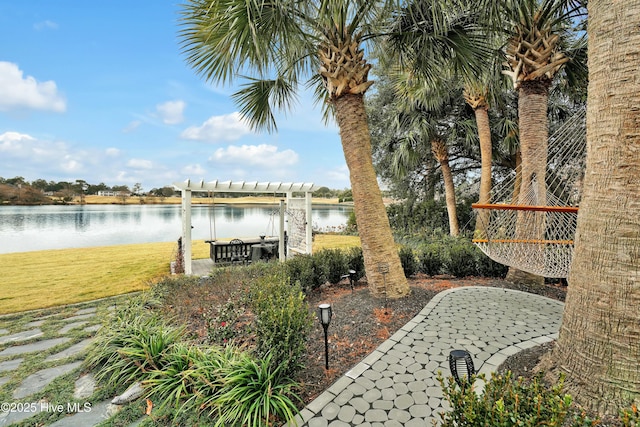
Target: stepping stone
[71,351]
[79,317]
[4,380]
[13,418]
[87,310]
[35,324]
[84,387]
[4,331]
[94,328]
[88,416]
[10,365]
[21,336]
[36,346]
[39,380]
[72,326]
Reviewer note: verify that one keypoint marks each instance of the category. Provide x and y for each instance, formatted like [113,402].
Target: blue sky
[100,91]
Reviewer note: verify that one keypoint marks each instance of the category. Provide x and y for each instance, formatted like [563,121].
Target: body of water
[34,228]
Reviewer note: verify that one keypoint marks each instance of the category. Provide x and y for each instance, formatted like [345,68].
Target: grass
[42,279]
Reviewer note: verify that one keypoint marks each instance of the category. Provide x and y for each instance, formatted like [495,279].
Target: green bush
[254,391]
[305,271]
[282,321]
[431,259]
[134,342]
[226,325]
[408,261]
[232,386]
[462,259]
[333,264]
[355,261]
[506,402]
[488,267]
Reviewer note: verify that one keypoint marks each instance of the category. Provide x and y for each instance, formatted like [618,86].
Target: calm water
[33,228]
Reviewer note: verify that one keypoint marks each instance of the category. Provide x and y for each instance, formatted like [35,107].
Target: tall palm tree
[475,69]
[536,32]
[279,44]
[598,347]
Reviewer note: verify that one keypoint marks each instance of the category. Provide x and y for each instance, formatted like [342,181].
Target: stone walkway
[396,385]
[393,386]
[36,349]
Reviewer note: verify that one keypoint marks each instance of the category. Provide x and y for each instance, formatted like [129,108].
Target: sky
[101,91]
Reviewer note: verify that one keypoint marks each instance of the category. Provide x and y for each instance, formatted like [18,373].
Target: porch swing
[534,231]
[242,250]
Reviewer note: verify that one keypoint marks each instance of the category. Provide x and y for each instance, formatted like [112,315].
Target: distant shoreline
[154,200]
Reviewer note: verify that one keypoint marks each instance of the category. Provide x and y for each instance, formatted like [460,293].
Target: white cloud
[45,25]
[171,112]
[132,126]
[229,127]
[112,152]
[140,164]
[255,155]
[24,152]
[340,173]
[193,170]
[12,141]
[17,91]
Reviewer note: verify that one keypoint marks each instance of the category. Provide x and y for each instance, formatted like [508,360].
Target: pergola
[188,187]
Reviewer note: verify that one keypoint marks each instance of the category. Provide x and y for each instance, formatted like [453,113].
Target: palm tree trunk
[533,98]
[599,343]
[378,247]
[484,134]
[440,152]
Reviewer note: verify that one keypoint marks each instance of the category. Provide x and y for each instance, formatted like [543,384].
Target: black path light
[461,365]
[324,314]
[351,276]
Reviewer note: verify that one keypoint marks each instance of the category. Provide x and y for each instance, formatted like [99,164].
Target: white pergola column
[186,230]
[308,222]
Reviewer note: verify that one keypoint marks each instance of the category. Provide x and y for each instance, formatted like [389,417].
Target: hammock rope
[534,232]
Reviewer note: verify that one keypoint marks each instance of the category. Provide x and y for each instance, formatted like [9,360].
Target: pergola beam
[246,187]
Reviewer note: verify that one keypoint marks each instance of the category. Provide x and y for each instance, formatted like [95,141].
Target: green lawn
[41,279]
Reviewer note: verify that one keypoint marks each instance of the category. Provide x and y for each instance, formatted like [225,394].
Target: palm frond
[257,97]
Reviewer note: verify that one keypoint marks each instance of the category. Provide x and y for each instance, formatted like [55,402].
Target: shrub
[227,325]
[282,321]
[488,267]
[355,261]
[134,342]
[507,402]
[462,259]
[253,393]
[408,261]
[430,259]
[304,270]
[333,264]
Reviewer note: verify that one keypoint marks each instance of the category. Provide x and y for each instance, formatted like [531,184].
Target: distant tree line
[18,191]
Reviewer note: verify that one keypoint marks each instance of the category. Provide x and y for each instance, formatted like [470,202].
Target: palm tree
[475,69]
[429,115]
[277,44]
[598,347]
[534,54]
